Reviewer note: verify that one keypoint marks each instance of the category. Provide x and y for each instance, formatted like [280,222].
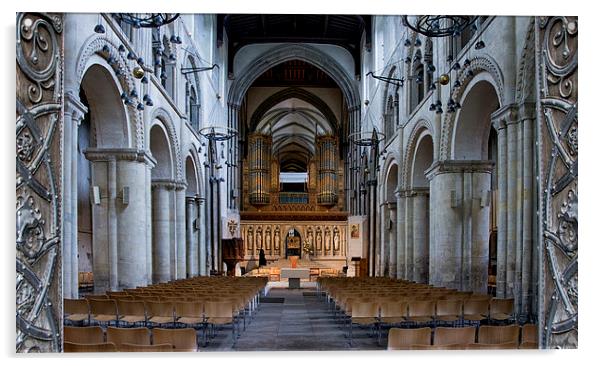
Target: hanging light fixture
[439,25]
[146,20]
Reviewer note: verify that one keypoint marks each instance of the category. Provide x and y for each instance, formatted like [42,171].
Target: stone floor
[294,320]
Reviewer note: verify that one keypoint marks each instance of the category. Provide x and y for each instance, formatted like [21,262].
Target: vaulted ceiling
[341,30]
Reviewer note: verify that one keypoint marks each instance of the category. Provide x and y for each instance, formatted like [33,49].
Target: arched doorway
[163,205]
[112,237]
[420,207]
[461,194]
[389,249]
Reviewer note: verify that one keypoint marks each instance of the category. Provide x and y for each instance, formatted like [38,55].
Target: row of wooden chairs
[85,339]
[206,302]
[486,337]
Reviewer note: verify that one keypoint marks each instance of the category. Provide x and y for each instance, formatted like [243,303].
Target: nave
[248,314]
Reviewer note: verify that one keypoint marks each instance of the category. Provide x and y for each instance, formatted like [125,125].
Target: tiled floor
[300,323]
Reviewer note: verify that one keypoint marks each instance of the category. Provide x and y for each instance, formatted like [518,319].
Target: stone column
[113,249]
[202,236]
[420,234]
[393,239]
[161,230]
[384,239]
[400,268]
[529,279]
[499,122]
[459,245]
[180,224]
[192,256]
[120,218]
[149,225]
[409,235]
[74,113]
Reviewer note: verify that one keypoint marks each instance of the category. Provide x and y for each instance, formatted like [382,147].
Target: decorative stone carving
[556,54]
[258,238]
[250,239]
[277,239]
[268,238]
[105,48]
[318,239]
[38,189]
[477,65]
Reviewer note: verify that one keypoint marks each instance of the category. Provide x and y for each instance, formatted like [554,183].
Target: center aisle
[302,322]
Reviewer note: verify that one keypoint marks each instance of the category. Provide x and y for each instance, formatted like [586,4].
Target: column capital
[459,166]
[527,110]
[128,154]
[75,107]
[180,185]
[504,116]
[168,184]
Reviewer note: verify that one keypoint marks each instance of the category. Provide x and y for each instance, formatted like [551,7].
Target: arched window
[389,118]
[193,108]
[416,85]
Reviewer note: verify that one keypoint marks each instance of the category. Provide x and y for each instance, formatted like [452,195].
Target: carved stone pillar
[400,258]
[161,230]
[192,256]
[74,113]
[180,225]
[459,250]
[420,234]
[202,236]
[392,237]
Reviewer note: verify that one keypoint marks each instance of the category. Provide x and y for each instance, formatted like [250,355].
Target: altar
[294,276]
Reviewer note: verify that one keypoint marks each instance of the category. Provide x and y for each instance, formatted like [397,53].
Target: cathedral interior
[317,171]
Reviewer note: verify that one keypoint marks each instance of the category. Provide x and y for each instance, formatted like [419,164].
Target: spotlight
[144,80]
[140,107]
[106,49]
[466,63]
[418,43]
[133,93]
[121,48]
[407,43]
[408,60]
[431,67]
[124,96]
[450,58]
[479,45]
[456,66]
[172,57]
[140,61]
[131,56]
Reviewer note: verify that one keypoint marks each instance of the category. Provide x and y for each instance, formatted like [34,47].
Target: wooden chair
[77,310]
[189,313]
[363,313]
[421,311]
[429,347]
[501,310]
[103,310]
[392,312]
[404,339]
[475,310]
[219,313]
[462,336]
[96,297]
[84,335]
[95,347]
[183,340]
[529,337]
[128,347]
[496,334]
[131,311]
[128,335]
[448,311]
[160,312]
[484,346]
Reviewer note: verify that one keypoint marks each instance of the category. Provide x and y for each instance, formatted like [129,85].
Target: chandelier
[440,25]
[148,20]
